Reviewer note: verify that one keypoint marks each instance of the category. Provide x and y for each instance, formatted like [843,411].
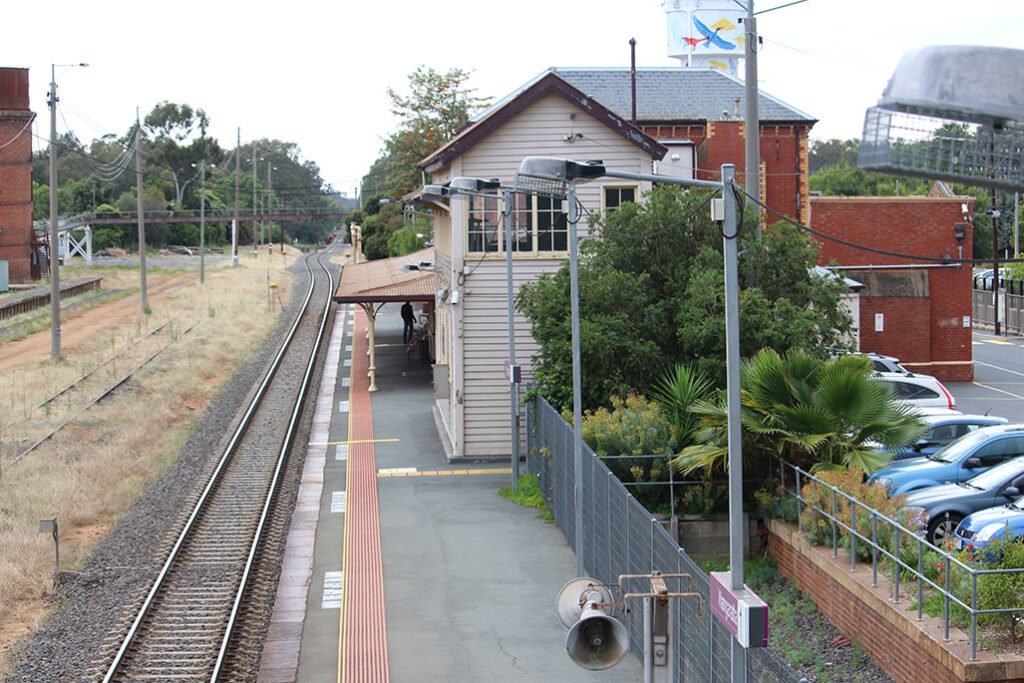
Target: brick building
[15,173]
[699,113]
[914,309]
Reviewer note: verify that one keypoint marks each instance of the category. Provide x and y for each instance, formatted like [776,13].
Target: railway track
[184,628]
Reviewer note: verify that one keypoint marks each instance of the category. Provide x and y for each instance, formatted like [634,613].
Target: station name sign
[741,612]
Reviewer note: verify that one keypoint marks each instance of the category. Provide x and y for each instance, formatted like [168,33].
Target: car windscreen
[965,444]
[998,475]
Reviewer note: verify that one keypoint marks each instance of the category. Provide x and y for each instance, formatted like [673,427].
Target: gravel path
[91,602]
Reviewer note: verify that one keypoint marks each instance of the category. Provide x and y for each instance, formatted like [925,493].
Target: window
[538,225]
[614,196]
[912,392]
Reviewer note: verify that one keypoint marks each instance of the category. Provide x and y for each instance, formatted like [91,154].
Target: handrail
[900,532]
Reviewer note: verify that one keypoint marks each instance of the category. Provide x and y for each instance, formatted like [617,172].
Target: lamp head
[434,192]
[550,168]
[474,184]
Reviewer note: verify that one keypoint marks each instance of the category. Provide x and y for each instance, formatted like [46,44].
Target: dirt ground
[87,323]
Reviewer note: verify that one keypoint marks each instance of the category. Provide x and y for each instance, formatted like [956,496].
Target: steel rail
[184,535]
[281,459]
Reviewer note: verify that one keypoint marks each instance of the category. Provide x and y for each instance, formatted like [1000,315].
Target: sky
[316,73]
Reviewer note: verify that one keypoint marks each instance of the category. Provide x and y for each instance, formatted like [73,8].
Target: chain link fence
[621,537]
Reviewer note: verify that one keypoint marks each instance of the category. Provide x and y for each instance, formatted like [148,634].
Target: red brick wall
[908,650]
[926,332]
[15,174]
[783,159]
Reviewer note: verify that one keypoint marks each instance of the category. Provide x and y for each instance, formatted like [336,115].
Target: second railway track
[184,628]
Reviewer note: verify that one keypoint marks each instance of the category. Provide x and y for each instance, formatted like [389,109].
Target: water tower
[706,33]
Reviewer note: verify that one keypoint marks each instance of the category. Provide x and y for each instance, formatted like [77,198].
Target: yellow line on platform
[442,473]
[350,441]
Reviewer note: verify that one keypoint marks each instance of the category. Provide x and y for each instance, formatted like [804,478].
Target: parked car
[983,278]
[921,391]
[942,507]
[970,455]
[941,428]
[978,529]
[886,363]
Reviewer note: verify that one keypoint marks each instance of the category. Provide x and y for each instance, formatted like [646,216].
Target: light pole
[54,217]
[477,187]
[557,177]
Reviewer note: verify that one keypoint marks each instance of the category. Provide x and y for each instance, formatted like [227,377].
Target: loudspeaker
[597,641]
[574,595]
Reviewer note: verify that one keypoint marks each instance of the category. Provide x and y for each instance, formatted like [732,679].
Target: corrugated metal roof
[675,94]
[384,280]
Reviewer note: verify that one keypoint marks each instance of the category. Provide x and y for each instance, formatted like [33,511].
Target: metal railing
[890,543]
[622,537]
[1011,306]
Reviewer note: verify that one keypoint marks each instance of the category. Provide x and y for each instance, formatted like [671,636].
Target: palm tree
[679,390]
[815,413]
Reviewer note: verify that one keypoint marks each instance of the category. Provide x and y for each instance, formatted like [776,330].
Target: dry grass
[90,473]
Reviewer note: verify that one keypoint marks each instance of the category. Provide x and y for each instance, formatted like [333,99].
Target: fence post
[896,567]
[974,615]
[948,568]
[799,503]
[835,528]
[874,548]
[920,581]
[853,534]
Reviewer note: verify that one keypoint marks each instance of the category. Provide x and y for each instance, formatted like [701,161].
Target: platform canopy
[383,280]
[375,283]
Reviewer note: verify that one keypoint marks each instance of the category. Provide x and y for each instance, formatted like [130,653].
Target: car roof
[1000,429]
[956,417]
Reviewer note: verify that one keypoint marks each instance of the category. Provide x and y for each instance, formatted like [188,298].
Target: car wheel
[942,526]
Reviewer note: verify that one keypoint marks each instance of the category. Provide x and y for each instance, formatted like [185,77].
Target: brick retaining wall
[909,650]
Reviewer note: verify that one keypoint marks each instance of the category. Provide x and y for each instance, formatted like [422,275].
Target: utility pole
[752,176]
[256,245]
[143,297]
[54,246]
[234,223]
[202,217]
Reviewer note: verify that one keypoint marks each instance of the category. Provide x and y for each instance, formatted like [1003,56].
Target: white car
[921,391]
[886,363]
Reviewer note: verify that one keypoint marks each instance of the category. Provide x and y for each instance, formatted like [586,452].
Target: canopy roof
[384,280]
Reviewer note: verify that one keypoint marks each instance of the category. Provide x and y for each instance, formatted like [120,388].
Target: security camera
[994,213]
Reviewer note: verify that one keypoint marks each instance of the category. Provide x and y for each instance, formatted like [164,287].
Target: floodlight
[953,113]
[433,193]
[549,176]
[473,184]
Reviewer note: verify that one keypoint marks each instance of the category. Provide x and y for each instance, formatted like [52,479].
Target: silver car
[944,506]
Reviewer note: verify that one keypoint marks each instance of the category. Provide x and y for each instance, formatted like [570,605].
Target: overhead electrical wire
[20,132]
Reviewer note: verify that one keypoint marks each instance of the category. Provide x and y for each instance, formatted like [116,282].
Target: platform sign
[513,373]
[741,612]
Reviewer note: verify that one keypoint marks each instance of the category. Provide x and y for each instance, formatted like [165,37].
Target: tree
[817,414]
[436,107]
[175,147]
[834,152]
[652,295]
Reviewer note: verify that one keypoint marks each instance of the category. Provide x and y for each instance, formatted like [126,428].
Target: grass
[90,473]
[528,494]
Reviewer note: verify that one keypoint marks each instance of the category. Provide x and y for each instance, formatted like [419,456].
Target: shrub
[818,526]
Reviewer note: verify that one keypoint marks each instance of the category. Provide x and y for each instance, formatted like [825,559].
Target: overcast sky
[316,73]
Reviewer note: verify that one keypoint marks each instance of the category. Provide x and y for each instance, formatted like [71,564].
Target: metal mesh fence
[623,538]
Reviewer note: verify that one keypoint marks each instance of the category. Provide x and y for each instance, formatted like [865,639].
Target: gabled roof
[677,94]
[503,111]
[384,280]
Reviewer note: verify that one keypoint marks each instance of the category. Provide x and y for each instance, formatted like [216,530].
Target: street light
[54,218]
[557,178]
[478,187]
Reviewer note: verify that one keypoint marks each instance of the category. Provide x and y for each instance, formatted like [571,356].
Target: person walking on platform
[408,318]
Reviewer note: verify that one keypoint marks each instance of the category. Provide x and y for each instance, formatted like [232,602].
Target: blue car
[941,428]
[971,454]
[942,507]
[977,530]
